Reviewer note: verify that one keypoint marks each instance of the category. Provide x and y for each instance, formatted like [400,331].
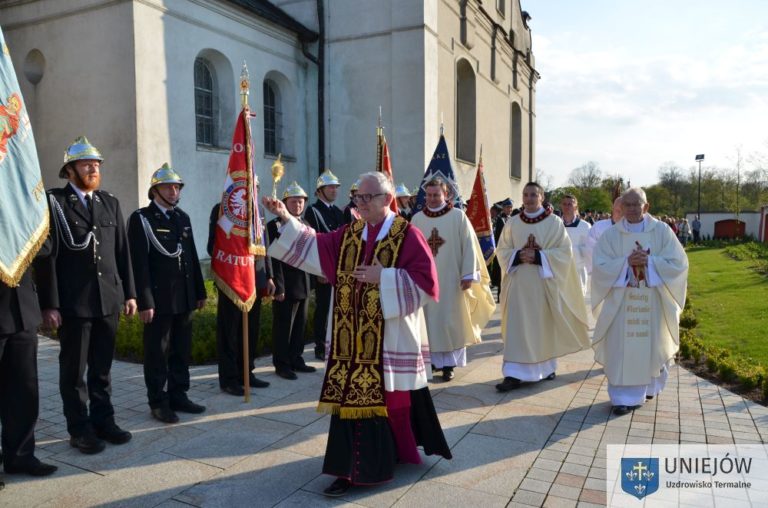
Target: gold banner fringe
[351,413]
[257,250]
[244,306]
[11,276]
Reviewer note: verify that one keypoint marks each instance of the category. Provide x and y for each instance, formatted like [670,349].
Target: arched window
[273,124]
[465,111]
[205,114]
[516,142]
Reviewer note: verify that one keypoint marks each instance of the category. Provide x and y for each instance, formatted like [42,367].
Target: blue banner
[23,207]
[439,166]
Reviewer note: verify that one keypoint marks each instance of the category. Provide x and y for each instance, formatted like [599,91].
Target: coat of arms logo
[639,476]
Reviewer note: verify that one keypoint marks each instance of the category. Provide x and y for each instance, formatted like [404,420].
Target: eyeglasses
[366,198]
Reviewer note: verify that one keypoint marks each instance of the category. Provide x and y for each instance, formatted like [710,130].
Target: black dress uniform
[19,396]
[88,280]
[289,316]
[229,324]
[323,218]
[171,286]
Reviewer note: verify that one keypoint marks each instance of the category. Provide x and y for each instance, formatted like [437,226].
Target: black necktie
[89,203]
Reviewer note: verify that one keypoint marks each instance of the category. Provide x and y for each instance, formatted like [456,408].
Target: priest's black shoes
[187,406]
[88,444]
[304,368]
[111,433]
[256,382]
[32,468]
[165,414]
[509,383]
[286,374]
[448,373]
[339,487]
[550,377]
[623,410]
[235,390]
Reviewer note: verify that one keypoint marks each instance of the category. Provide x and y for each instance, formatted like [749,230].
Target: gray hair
[637,191]
[385,185]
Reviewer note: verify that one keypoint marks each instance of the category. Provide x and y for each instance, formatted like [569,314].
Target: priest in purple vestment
[375,383]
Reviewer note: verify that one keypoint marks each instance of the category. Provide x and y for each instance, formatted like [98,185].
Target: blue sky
[635,84]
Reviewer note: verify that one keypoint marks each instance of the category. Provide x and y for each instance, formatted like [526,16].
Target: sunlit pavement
[542,444]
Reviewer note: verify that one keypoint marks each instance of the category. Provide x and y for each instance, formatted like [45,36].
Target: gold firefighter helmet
[327,178]
[164,175]
[80,149]
[294,191]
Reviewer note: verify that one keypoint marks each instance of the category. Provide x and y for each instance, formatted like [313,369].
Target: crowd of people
[399,297]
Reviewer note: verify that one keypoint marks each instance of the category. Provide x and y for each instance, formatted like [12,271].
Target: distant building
[153,81]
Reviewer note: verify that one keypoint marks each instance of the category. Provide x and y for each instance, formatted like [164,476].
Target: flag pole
[245,85]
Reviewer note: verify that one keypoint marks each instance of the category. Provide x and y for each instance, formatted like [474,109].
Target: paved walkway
[541,445]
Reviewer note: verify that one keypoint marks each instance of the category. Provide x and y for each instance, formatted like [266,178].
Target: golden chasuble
[353,386]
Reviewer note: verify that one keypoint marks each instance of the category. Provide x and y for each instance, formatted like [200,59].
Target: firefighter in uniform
[323,216]
[289,310]
[350,211]
[169,286]
[403,196]
[19,394]
[83,288]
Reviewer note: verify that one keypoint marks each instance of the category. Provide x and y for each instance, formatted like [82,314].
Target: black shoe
[256,382]
[320,355]
[286,374]
[434,369]
[339,487]
[304,368]
[448,373]
[509,383]
[621,410]
[34,468]
[187,406]
[111,433]
[235,390]
[550,377]
[165,415]
[87,444]
[649,397]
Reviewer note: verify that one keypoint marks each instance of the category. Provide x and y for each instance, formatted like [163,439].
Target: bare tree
[586,176]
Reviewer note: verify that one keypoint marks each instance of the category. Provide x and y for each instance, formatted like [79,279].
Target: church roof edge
[271,12]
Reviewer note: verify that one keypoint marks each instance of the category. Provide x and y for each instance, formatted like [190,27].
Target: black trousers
[87,342]
[19,398]
[289,320]
[167,350]
[323,301]
[229,339]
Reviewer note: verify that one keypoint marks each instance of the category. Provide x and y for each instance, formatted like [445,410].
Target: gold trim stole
[353,386]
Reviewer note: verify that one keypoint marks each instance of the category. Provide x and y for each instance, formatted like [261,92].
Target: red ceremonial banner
[383,162]
[238,231]
[479,214]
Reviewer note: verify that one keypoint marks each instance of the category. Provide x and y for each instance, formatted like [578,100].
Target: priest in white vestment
[578,231]
[466,302]
[543,312]
[639,278]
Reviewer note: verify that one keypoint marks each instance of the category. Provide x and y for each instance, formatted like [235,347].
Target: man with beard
[323,216]
[170,287]
[83,288]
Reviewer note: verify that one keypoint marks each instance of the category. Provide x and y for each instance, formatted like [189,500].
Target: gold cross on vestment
[434,241]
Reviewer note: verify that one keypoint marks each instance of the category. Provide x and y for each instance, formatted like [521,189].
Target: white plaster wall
[87,86]
[180,30]
[751,221]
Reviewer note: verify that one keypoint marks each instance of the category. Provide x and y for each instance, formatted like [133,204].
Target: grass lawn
[730,302]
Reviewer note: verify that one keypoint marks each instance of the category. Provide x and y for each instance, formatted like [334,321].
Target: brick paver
[542,445]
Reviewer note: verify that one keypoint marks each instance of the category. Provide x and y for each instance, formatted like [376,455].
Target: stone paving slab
[541,445]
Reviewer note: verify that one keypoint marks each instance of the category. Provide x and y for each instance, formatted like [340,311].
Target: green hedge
[130,344]
[744,372]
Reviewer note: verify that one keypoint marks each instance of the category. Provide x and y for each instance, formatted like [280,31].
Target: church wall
[87,84]
[375,57]
[225,37]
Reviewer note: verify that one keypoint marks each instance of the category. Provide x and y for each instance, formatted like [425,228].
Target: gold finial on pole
[278,170]
[245,85]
